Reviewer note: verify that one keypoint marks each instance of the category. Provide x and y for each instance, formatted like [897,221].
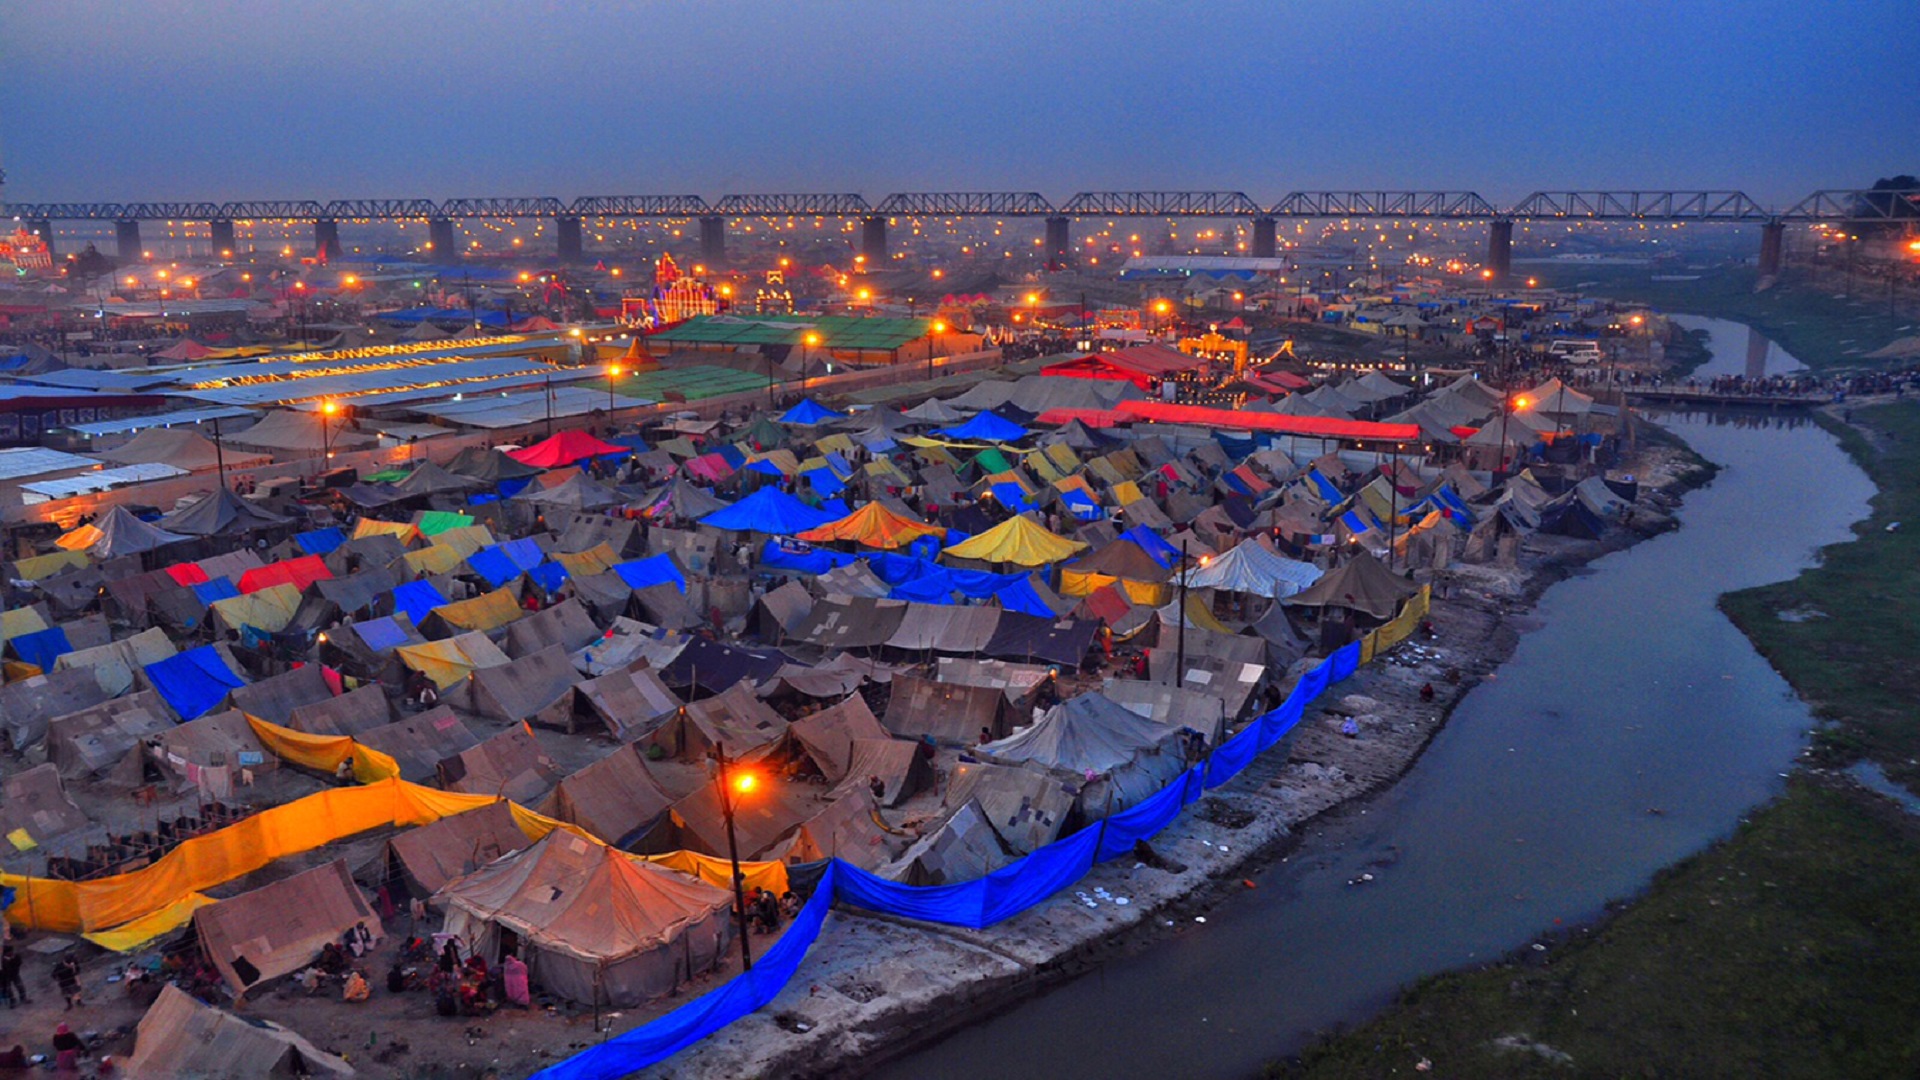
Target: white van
[1576,350]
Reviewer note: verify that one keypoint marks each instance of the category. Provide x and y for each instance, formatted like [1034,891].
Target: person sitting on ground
[877,786]
[333,959]
[769,911]
[359,940]
[356,989]
[397,978]
[789,904]
[1426,691]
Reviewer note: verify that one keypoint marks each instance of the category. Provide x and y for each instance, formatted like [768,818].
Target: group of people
[765,912]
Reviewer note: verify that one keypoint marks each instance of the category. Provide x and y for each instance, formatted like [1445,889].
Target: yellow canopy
[45,566]
[19,621]
[1125,492]
[1017,540]
[466,539]
[874,526]
[370,527]
[268,610]
[434,559]
[1042,466]
[445,662]
[132,935]
[323,752]
[781,459]
[489,611]
[597,559]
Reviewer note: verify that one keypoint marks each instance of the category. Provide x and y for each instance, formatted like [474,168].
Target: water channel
[1633,728]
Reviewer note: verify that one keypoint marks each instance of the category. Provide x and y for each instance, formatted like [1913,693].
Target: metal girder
[381,209]
[65,211]
[1378,204]
[170,211]
[1162,204]
[646,206]
[966,204]
[272,210]
[1861,206]
[1641,206]
[529,207]
[842,205]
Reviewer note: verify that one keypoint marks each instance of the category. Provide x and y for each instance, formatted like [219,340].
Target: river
[1632,729]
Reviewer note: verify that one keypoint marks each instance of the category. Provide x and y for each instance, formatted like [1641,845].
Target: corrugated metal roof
[165,419]
[67,487]
[35,460]
[410,376]
[527,407]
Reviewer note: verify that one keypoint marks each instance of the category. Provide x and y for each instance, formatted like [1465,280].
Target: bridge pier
[1266,238]
[1500,250]
[221,233]
[572,243]
[713,239]
[873,240]
[44,230]
[1059,242]
[126,240]
[440,239]
[1773,238]
[326,240]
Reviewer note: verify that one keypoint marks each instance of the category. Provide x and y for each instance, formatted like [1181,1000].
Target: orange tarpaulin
[875,526]
[215,858]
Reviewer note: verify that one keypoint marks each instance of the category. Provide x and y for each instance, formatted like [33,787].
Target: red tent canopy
[564,448]
[299,573]
[1313,426]
[1099,418]
[1138,364]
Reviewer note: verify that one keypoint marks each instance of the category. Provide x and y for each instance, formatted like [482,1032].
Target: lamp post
[1393,502]
[327,410]
[744,783]
[939,329]
[1180,653]
[613,372]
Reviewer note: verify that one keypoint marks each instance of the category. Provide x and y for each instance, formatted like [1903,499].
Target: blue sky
[218,99]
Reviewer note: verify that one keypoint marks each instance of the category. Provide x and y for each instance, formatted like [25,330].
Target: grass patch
[1847,640]
[1826,332]
[1790,950]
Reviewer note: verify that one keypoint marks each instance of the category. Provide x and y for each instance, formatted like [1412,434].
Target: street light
[939,328]
[1180,654]
[613,372]
[327,410]
[743,784]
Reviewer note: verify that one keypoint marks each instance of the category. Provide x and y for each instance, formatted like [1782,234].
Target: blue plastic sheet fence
[1000,895]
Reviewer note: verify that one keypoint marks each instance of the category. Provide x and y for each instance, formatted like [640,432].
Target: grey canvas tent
[964,848]
[1026,807]
[617,798]
[1361,584]
[846,828]
[180,1037]
[1088,734]
[620,933]
[221,513]
[26,705]
[537,688]
[510,765]
[279,928]
[898,764]
[631,702]
[828,735]
[432,855]
[221,749]
[418,743]
[565,624]
[354,713]
[36,804]
[950,713]
[761,820]
[274,699]
[93,740]
[736,719]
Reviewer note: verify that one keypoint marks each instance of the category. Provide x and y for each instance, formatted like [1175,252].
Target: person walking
[67,974]
[11,986]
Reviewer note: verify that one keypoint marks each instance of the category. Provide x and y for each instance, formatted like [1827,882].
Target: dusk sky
[224,99]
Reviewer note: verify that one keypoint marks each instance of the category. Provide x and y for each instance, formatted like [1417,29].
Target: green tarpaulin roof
[836,331]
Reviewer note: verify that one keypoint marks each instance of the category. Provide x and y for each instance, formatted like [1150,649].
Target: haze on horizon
[227,99]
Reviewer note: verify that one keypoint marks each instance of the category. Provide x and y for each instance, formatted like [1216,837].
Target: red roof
[1314,426]
[299,573]
[564,448]
[186,573]
[1139,364]
[1089,417]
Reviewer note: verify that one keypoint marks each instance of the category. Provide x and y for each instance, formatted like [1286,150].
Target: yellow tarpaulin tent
[1086,582]
[268,610]
[465,539]
[323,753]
[133,935]
[40,567]
[597,559]
[1016,540]
[17,621]
[874,526]
[489,611]
[445,662]
[79,539]
[1126,491]
[433,559]
[370,527]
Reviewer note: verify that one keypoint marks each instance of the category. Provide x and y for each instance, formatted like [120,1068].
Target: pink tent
[564,448]
[185,349]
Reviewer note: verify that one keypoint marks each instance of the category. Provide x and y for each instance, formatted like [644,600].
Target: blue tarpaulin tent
[320,541]
[494,565]
[934,588]
[417,599]
[640,573]
[194,681]
[810,411]
[1151,542]
[219,588]
[549,576]
[986,427]
[769,510]
[1020,595]
[42,647]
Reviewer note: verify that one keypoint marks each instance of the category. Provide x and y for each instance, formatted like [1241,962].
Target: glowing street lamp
[742,784]
[327,411]
[613,372]
[939,328]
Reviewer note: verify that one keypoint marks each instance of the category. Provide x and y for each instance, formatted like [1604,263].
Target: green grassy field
[1791,949]
[1828,333]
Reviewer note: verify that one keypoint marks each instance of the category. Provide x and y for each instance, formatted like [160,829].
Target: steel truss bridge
[1833,206]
